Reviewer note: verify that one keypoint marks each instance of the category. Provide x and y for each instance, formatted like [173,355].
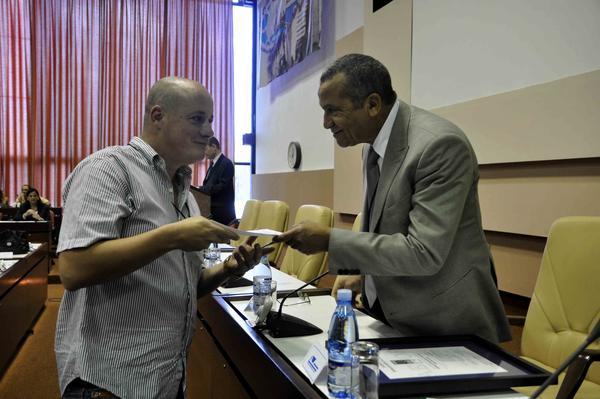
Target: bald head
[178,121]
[170,92]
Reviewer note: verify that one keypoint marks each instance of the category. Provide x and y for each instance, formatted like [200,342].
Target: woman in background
[3,203]
[33,209]
[3,200]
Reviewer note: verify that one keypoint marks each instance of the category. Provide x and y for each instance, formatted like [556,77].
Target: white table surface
[285,282]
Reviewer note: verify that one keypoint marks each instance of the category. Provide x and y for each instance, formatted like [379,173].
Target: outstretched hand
[306,237]
[351,282]
[197,233]
[245,257]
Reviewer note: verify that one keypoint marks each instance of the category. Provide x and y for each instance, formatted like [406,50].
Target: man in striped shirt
[128,254]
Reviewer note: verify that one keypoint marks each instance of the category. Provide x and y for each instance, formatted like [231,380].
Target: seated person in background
[3,203]
[3,200]
[33,209]
[22,197]
[218,183]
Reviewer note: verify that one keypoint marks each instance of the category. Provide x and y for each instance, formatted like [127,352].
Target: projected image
[289,30]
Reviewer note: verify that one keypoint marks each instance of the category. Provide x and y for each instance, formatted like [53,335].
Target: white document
[6,264]
[430,362]
[226,247]
[10,255]
[258,232]
[254,233]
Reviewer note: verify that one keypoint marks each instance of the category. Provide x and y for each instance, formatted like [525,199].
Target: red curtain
[15,81]
[90,64]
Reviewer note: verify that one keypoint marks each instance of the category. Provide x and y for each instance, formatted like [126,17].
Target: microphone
[284,325]
[594,335]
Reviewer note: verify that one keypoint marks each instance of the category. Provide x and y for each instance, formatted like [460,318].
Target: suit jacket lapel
[394,156]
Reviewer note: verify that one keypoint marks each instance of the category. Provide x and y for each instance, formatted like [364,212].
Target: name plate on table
[315,362]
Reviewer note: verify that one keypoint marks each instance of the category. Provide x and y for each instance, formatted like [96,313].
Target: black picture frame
[519,372]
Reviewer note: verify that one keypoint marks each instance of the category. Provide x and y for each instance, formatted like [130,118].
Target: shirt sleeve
[96,201]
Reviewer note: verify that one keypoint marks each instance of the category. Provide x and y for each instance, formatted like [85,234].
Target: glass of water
[263,298]
[365,370]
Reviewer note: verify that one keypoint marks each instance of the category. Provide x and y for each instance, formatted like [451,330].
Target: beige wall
[520,201]
[526,198]
[548,121]
[295,188]
[517,260]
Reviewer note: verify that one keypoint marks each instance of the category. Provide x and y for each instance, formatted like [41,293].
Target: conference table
[230,359]
[36,231]
[23,292]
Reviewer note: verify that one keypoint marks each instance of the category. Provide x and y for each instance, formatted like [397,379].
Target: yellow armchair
[565,305]
[273,215]
[248,219]
[297,264]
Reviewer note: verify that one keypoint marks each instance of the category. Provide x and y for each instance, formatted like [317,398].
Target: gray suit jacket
[425,247]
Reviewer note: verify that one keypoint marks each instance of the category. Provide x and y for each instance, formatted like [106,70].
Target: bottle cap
[344,295]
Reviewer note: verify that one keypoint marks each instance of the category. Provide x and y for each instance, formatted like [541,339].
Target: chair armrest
[576,373]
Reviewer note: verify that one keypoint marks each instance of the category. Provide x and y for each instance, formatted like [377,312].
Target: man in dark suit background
[218,183]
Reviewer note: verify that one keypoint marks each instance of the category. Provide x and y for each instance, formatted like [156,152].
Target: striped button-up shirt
[129,335]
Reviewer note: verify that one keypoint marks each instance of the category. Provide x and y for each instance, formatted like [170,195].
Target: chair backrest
[295,263]
[273,215]
[565,304]
[249,218]
[357,222]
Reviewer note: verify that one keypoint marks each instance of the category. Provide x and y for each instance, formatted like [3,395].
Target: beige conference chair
[248,219]
[565,304]
[297,264]
[273,215]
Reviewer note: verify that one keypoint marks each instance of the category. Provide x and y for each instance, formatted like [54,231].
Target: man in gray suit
[425,264]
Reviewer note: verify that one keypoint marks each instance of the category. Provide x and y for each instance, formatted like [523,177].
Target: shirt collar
[217,158]
[184,173]
[381,141]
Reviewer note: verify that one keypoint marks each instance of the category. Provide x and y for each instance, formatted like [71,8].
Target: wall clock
[294,155]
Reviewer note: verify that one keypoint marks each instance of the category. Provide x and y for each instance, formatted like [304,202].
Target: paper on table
[434,362]
[6,264]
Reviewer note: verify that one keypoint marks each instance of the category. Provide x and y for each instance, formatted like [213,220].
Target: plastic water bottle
[212,255]
[342,332]
[261,283]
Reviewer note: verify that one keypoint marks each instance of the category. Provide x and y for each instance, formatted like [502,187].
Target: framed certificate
[449,364]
